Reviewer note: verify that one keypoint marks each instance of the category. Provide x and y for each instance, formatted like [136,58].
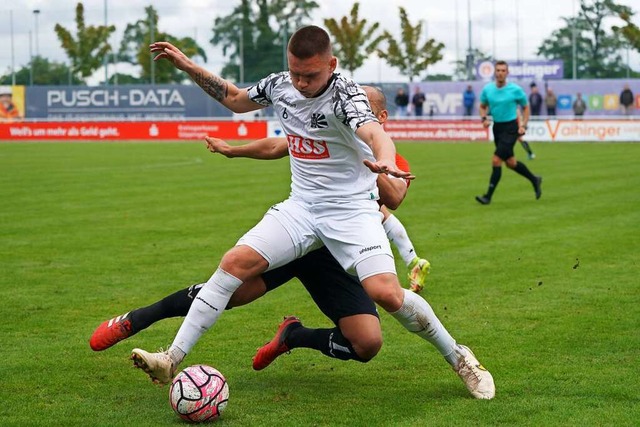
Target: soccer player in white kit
[335,143]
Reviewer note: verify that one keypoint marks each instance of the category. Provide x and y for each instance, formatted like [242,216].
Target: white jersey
[325,153]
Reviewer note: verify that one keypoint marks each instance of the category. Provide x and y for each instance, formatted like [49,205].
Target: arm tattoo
[214,86]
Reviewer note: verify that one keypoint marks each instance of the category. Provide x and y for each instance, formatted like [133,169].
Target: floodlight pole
[31,56]
[470,52]
[152,39]
[574,21]
[36,12]
[13,56]
[105,59]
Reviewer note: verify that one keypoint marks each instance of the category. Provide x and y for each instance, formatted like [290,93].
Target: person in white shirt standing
[335,143]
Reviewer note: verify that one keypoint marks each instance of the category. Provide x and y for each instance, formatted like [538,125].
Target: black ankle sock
[330,342]
[523,170]
[496,174]
[174,305]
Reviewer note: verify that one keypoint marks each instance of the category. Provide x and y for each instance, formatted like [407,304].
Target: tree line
[253,40]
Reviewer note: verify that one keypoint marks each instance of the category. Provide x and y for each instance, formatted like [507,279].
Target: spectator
[402,100]
[418,101]
[535,100]
[468,100]
[551,101]
[8,110]
[626,100]
[579,106]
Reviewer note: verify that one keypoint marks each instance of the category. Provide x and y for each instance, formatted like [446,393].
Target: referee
[502,99]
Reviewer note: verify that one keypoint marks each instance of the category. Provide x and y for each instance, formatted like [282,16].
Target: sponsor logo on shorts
[369,249]
[306,148]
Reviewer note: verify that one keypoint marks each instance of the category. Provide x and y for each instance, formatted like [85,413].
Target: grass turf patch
[545,292]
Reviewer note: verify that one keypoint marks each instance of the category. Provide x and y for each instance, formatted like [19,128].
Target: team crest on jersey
[306,148]
[318,121]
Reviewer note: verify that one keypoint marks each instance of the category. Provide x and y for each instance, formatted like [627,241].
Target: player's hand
[216,145]
[387,168]
[171,53]
[522,130]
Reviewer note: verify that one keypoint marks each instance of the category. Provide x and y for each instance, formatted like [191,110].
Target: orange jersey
[403,165]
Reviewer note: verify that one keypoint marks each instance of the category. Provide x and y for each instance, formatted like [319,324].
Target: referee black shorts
[505,136]
[336,293]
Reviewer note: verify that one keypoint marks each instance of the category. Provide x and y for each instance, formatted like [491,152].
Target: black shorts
[336,293]
[505,135]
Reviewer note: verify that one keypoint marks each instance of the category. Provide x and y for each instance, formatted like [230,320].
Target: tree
[408,55]
[45,72]
[597,51]
[630,31]
[353,42]
[87,50]
[254,47]
[134,49]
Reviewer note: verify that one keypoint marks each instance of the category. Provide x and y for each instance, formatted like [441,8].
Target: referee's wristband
[482,119]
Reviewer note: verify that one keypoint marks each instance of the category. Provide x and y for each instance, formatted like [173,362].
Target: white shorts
[352,231]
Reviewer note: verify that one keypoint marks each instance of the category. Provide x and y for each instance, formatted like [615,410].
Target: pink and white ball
[199,393]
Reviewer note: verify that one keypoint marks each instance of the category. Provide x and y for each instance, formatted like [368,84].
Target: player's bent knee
[243,262]
[367,349]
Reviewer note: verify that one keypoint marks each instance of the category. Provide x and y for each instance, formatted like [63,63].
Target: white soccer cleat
[478,380]
[158,366]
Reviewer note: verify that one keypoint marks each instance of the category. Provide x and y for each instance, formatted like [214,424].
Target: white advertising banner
[584,130]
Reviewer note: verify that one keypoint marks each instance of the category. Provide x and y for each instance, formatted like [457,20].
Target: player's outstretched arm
[263,149]
[383,149]
[223,91]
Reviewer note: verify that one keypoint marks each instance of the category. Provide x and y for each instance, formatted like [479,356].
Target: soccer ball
[199,393]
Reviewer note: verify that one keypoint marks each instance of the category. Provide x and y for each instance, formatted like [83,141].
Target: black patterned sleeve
[261,92]
[351,105]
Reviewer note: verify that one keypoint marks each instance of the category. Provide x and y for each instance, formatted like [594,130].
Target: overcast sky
[511,29]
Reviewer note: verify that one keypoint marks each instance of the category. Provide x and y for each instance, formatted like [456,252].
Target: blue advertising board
[121,102]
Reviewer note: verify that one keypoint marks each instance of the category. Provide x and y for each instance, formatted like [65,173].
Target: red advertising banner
[437,130]
[115,131]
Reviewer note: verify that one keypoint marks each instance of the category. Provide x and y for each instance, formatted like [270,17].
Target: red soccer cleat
[274,348]
[111,332]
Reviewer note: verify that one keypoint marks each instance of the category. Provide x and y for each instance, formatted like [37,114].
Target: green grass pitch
[546,292]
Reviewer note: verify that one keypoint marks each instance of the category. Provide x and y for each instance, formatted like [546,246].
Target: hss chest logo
[318,121]
[305,148]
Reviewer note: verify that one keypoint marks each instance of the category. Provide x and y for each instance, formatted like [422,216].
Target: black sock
[174,305]
[496,174]
[526,147]
[330,342]
[523,170]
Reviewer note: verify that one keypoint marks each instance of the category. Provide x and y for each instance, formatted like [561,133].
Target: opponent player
[335,143]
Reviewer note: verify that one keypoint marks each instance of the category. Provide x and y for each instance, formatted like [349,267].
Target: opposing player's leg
[112,331]
[340,296]
[119,328]
[419,268]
